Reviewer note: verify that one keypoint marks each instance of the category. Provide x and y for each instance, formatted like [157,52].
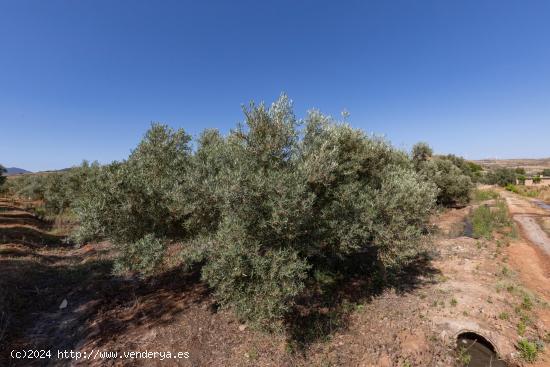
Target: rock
[242,327]
[63,304]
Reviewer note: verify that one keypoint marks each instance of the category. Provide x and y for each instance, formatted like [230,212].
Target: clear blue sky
[84,79]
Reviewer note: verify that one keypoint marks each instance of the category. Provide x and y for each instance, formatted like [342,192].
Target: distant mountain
[15,171]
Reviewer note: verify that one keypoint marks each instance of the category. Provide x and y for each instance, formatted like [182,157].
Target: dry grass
[538,192]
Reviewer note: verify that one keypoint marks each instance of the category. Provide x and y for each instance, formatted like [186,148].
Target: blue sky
[84,79]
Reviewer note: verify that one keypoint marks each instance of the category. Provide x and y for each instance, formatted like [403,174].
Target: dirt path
[530,255]
[39,272]
[526,214]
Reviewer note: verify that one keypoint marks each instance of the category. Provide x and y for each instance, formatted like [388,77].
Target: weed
[522,328]
[454,302]
[504,316]
[527,303]
[482,195]
[464,358]
[505,271]
[528,350]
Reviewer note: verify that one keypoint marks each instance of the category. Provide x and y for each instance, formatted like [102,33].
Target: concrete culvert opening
[475,350]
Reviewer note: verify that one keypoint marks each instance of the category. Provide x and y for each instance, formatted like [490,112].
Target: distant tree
[501,176]
[520,171]
[537,180]
[474,167]
[521,179]
[2,177]
[545,172]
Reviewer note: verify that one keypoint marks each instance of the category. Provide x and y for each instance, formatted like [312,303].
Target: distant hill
[530,165]
[11,171]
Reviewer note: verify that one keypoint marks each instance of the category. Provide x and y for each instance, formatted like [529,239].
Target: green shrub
[545,172]
[537,180]
[483,195]
[512,188]
[486,219]
[528,350]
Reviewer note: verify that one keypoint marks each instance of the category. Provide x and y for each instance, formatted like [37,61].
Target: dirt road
[526,213]
[530,255]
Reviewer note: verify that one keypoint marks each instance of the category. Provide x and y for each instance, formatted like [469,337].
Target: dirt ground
[462,284]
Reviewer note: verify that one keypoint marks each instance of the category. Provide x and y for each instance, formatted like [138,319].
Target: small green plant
[464,358]
[512,188]
[528,350]
[486,219]
[454,302]
[527,303]
[522,328]
[482,195]
[505,271]
[504,316]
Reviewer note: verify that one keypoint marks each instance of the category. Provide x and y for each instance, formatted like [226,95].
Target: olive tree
[262,209]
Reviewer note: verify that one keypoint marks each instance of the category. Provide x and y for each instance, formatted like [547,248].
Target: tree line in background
[266,212]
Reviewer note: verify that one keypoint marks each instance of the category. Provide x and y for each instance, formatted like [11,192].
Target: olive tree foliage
[467,168]
[451,175]
[421,152]
[263,208]
[291,201]
[58,190]
[133,203]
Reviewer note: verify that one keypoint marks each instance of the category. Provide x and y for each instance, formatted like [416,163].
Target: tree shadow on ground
[330,299]
[29,236]
[127,304]
[32,287]
[25,220]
